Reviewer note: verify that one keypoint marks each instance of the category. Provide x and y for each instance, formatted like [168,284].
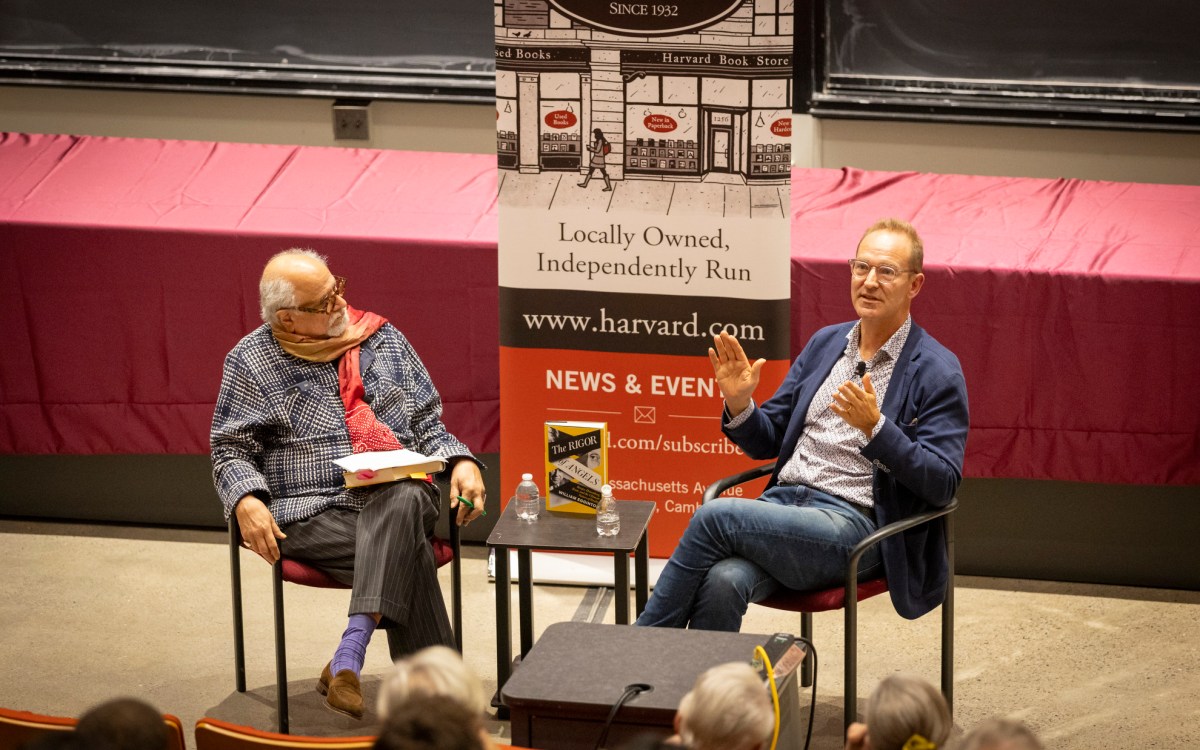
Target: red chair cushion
[442,551]
[295,571]
[823,600]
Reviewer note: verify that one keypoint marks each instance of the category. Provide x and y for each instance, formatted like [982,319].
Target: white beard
[337,324]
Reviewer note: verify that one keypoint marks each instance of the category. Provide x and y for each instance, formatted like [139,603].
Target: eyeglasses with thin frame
[884,273]
[325,306]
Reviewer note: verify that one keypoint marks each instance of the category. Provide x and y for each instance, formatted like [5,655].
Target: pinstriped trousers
[383,552]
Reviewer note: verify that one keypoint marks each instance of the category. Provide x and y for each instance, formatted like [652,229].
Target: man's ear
[918,282]
[285,321]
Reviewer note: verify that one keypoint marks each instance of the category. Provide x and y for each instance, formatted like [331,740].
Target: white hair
[277,293]
[437,671]
[727,709]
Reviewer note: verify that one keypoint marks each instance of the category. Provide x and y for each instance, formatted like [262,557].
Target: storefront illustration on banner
[645,163]
[677,108]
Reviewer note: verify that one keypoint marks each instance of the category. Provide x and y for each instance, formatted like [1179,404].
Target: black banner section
[553,59]
[697,62]
[640,323]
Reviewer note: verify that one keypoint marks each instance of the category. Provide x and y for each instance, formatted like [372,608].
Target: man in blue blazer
[868,427]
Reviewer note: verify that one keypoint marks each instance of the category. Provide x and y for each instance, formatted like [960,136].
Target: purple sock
[352,651]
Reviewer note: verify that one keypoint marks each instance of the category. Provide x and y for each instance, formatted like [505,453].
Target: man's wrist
[875,428]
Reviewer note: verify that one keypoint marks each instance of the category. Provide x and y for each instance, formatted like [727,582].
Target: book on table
[376,467]
[576,466]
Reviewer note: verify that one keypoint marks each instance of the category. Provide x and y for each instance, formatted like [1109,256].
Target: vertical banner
[644,153]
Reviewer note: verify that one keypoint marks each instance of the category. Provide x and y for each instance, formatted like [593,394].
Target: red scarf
[367,433]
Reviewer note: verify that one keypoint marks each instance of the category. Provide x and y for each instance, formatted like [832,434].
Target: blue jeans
[737,551]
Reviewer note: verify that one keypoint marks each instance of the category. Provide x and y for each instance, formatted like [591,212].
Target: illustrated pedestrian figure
[599,148]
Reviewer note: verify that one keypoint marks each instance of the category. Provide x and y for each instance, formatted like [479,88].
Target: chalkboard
[427,49]
[1124,63]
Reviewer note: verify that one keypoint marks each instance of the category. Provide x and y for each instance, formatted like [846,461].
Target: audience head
[437,671]
[124,724]
[432,722]
[906,713]
[1000,734]
[727,709]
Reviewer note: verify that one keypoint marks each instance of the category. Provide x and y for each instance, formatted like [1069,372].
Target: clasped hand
[857,406]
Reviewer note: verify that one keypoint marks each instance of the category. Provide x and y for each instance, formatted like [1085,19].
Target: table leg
[525,597]
[621,586]
[503,619]
[641,573]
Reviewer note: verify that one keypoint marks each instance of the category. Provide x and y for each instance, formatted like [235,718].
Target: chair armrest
[716,488]
[891,529]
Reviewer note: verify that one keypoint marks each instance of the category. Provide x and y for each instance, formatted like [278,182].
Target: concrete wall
[1017,151]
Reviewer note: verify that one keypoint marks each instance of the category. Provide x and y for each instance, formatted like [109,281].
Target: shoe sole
[323,689]
[341,712]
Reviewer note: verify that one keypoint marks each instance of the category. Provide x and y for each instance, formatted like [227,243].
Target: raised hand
[736,376]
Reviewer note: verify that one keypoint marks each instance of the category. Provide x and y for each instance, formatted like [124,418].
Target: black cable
[812,705]
[630,690]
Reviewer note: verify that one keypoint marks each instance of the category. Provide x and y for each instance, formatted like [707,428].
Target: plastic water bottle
[528,502]
[608,518]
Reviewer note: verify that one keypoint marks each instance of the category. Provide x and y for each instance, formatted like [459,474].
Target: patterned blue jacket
[280,422]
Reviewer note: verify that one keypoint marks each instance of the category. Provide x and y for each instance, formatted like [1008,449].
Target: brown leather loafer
[342,692]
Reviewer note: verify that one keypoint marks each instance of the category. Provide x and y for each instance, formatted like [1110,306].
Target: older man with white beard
[318,381]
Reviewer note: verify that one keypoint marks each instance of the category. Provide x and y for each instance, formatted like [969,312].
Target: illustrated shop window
[680,90]
[644,90]
[772,92]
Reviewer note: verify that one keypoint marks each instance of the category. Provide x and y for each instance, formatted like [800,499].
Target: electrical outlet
[351,121]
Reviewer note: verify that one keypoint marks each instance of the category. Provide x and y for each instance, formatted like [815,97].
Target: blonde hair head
[916,248]
[903,706]
[727,709]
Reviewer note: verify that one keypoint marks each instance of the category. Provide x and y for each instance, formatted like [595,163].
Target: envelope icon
[644,415]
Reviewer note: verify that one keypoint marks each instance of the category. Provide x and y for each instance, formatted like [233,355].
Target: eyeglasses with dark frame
[325,306]
[884,273]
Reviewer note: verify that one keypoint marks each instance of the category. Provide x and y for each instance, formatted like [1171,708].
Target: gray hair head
[1000,734]
[437,671]
[277,293]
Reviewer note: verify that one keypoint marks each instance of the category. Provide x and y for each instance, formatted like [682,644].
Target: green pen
[470,504]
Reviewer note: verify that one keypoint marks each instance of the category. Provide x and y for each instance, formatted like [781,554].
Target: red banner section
[663,413]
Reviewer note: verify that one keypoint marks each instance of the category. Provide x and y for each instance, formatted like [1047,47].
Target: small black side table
[561,532]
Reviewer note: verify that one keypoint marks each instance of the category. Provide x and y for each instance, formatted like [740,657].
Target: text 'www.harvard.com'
[691,328]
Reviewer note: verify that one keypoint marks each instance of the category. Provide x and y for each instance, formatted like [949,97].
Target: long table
[129,269]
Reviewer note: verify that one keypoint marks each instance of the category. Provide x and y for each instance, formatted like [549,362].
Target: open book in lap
[375,467]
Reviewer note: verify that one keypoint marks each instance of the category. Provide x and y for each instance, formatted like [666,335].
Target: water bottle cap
[606,489]
[526,477]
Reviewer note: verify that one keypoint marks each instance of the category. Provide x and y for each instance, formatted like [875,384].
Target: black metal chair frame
[239,648]
[851,593]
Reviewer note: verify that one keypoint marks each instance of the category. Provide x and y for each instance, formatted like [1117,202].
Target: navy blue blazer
[918,453]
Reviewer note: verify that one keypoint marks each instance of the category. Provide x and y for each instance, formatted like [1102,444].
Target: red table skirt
[129,269]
